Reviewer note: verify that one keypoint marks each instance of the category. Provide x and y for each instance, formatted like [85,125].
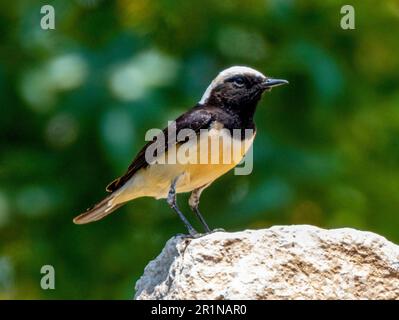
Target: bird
[227,106]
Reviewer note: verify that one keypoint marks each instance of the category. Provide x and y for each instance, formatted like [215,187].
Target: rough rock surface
[282,262]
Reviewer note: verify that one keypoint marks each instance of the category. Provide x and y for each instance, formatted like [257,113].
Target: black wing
[195,119]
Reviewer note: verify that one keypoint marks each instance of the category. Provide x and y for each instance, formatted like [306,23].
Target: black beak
[270,83]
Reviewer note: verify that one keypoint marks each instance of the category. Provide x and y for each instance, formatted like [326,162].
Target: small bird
[228,105]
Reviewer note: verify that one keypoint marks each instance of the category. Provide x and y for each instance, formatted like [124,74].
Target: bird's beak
[269,83]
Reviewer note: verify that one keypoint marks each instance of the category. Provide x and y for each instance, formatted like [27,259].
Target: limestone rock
[282,262]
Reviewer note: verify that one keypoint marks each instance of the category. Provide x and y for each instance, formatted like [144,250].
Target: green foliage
[76,102]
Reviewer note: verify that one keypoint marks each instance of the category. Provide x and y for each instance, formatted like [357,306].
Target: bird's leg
[194,203]
[173,204]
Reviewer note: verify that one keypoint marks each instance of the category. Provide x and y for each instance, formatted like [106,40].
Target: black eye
[239,81]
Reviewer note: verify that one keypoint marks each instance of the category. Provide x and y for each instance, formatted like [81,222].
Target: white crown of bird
[227,73]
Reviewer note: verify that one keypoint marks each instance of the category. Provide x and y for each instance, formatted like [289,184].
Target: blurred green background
[76,102]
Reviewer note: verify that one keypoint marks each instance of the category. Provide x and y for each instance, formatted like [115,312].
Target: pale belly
[201,164]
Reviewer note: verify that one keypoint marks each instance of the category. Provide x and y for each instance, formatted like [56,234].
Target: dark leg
[173,204]
[194,203]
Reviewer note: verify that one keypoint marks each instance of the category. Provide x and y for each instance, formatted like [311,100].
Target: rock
[282,262]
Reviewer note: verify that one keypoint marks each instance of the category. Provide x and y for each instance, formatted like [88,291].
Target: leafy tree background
[76,102]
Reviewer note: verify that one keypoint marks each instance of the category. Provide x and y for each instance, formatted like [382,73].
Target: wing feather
[196,119]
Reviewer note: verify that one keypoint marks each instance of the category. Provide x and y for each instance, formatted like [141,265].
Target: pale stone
[282,262]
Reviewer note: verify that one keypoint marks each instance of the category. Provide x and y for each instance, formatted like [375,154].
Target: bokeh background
[77,101]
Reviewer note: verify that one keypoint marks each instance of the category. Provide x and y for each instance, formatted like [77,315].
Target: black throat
[236,115]
[244,113]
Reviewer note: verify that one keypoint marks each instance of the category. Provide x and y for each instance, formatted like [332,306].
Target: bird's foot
[218,230]
[195,235]
[190,235]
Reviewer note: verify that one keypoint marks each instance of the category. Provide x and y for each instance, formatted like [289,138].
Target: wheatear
[227,107]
